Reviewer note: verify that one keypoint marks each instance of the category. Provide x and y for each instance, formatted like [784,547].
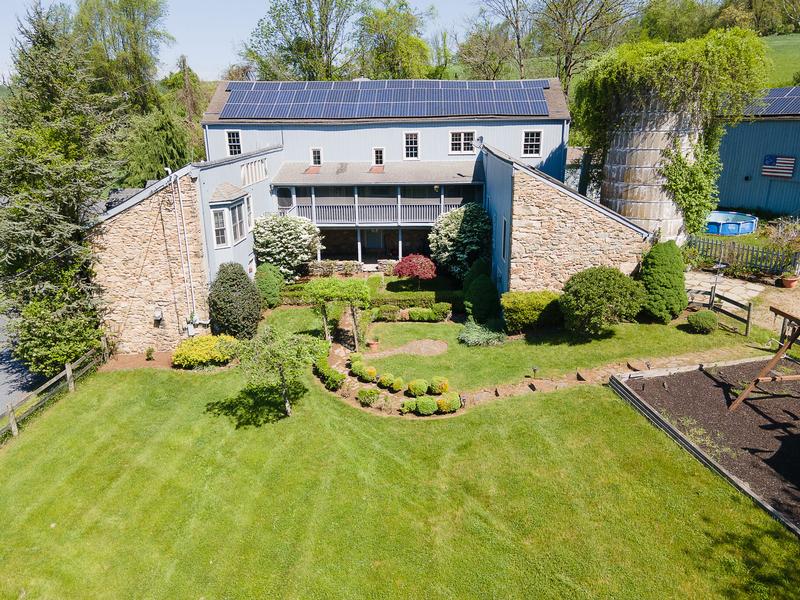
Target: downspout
[178,229]
[186,246]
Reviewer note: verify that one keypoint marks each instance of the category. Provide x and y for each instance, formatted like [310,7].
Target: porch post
[441,199]
[399,243]
[294,198]
[355,203]
[398,205]
[313,206]
[358,243]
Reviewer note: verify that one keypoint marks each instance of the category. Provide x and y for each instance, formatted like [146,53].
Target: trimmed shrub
[332,379]
[368,374]
[459,237]
[204,351]
[409,406]
[426,405]
[387,312]
[424,299]
[397,385]
[234,303]
[288,242]
[269,281]
[356,357]
[439,385]
[422,314]
[703,321]
[386,380]
[479,267]
[523,310]
[416,267]
[368,397]
[442,310]
[417,387]
[448,403]
[663,277]
[481,299]
[598,297]
[357,369]
[477,335]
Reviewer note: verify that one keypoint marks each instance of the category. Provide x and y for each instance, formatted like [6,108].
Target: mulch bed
[118,362]
[759,443]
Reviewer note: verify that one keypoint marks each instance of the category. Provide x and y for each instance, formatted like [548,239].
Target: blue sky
[209,32]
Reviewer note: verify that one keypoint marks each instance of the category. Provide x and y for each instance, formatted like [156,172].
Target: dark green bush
[479,267]
[269,282]
[662,274]
[425,315]
[523,310]
[357,368]
[478,335]
[423,299]
[387,312]
[386,380]
[704,321]
[448,403]
[439,385]
[481,300]
[417,387]
[598,297]
[442,310]
[398,384]
[234,303]
[368,397]
[426,405]
[330,377]
[409,406]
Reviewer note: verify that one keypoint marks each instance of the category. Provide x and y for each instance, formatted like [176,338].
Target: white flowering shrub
[459,237]
[286,242]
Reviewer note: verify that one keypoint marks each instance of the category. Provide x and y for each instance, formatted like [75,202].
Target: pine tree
[54,167]
[156,140]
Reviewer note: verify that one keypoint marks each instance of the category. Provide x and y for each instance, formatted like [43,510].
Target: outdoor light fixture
[158,315]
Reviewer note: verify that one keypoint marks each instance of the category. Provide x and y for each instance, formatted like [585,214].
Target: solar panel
[389,98]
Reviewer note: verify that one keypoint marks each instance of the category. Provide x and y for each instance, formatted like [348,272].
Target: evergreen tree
[54,167]
[156,140]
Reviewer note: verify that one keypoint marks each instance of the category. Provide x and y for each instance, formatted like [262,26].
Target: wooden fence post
[749,317]
[104,345]
[70,378]
[12,420]
[712,296]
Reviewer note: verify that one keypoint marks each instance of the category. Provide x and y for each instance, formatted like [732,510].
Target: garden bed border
[619,383]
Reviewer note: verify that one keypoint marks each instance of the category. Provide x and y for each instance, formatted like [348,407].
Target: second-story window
[461,142]
[220,231]
[411,145]
[237,222]
[377,157]
[234,143]
[316,156]
[532,143]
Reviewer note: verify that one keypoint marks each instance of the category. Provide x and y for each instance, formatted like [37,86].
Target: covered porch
[368,244]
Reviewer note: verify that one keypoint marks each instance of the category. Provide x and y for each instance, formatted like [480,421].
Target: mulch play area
[759,443]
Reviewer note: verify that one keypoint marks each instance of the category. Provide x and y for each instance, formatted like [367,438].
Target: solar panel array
[383,99]
[777,102]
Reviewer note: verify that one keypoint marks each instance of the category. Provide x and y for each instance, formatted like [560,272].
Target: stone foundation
[554,236]
[142,269]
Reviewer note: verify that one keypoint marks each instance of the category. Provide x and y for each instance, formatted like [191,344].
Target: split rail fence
[717,303]
[745,256]
[15,412]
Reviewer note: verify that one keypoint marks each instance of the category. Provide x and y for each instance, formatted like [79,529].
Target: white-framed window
[234,143]
[237,223]
[248,202]
[531,143]
[254,171]
[377,157]
[316,156]
[505,239]
[411,145]
[461,142]
[220,228]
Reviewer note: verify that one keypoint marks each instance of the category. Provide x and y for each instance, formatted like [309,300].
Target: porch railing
[349,214]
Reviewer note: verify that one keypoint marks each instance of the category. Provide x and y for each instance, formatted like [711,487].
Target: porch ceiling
[394,173]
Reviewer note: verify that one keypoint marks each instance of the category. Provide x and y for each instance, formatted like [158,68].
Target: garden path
[736,289]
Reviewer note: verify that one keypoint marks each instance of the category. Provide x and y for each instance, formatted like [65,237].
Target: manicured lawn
[131,487]
[784,50]
[553,354]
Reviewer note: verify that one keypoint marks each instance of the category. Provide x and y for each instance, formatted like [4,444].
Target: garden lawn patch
[553,353]
[172,485]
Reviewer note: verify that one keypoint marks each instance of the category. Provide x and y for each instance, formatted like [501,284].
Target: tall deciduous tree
[123,38]
[390,43]
[485,51]
[54,166]
[517,15]
[303,39]
[677,20]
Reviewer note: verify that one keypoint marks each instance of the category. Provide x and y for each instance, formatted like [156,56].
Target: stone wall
[553,236]
[141,266]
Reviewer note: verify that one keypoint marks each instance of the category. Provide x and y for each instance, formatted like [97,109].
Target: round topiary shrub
[409,406]
[368,375]
[426,405]
[417,387]
[357,368]
[269,281]
[448,403]
[703,321]
[459,237]
[234,303]
[663,277]
[398,384]
[203,351]
[481,300]
[368,397]
[439,385]
[386,380]
[287,242]
[597,298]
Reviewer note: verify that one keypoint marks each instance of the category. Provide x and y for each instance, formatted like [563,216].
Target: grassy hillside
[784,50]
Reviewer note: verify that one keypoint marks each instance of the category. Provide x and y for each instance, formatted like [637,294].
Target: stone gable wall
[554,236]
[138,268]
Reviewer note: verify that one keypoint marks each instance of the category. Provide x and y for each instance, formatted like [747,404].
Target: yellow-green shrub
[204,350]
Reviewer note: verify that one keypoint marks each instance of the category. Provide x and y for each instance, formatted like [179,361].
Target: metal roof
[321,101]
[394,173]
[777,102]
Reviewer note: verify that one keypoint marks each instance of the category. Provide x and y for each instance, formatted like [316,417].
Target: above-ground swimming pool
[720,222]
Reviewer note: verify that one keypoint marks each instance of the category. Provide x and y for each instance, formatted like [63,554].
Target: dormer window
[316,157]
[377,157]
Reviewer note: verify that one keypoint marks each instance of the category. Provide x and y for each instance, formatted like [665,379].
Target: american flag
[778,166]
